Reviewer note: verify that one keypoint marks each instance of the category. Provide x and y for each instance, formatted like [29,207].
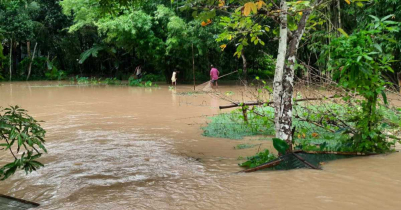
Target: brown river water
[118,147]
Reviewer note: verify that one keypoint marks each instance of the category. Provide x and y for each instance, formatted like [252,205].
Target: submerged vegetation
[258,159]
[232,125]
[328,127]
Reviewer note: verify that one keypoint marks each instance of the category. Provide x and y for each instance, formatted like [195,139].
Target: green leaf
[280,145]
[387,17]
[384,97]
[378,47]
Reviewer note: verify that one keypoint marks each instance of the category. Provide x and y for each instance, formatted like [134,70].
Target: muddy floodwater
[118,147]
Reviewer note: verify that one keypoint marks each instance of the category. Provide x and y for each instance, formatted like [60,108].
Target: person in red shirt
[214,76]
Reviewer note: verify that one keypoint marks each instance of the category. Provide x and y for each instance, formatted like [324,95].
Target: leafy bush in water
[112,81]
[95,81]
[55,74]
[363,57]
[138,83]
[258,159]
[232,125]
[82,80]
[19,132]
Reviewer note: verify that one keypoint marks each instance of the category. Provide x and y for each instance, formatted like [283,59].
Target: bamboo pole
[220,77]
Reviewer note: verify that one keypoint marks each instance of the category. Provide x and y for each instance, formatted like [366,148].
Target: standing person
[214,76]
[138,72]
[174,78]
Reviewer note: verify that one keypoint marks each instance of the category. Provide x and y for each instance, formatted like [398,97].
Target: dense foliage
[110,38]
[23,137]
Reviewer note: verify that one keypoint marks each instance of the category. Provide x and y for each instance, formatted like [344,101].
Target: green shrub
[111,81]
[258,159]
[153,77]
[20,133]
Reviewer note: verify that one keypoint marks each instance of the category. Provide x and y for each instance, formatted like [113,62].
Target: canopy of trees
[109,38]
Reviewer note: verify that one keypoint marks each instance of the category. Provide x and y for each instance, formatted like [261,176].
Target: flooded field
[117,147]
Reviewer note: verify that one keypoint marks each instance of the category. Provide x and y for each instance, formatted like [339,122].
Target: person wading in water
[174,78]
[214,76]
[138,72]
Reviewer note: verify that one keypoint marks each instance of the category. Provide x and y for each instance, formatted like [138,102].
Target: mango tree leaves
[17,126]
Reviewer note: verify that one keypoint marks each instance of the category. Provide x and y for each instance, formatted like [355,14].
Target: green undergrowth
[139,83]
[326,127]
[231,125]
[258,159]
[245,146]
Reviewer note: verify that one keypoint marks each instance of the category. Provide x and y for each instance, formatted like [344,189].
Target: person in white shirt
[174,78]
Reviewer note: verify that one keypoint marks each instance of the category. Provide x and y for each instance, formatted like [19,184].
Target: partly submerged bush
[138,83]
[258,159]
[232,125]
[325,127]
[112,81]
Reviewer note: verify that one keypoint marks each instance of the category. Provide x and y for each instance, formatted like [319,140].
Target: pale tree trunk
[244,69]
[11,53]
[278,75]
[288,80]
[284,76]
[30,63]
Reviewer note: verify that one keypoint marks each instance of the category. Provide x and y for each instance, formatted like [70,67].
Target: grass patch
[190,93]
[231,125]
[245,146]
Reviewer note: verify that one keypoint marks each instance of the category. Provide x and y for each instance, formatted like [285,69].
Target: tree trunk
[193,65]
[399,80]
[30,62]
[285,119]
[11,53]
[339,13]
[244,69]
[278,75]
[284,75]
[28,48]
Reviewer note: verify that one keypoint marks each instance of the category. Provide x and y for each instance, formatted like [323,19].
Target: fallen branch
[245,104]
[270,103]
[263,166]
[335,153]
[314,123]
